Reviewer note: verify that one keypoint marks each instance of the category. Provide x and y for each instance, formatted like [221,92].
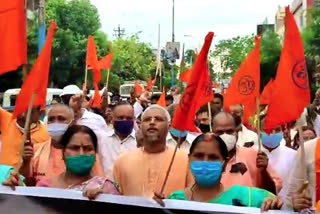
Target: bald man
[142,172]
[246,167]
[45,160]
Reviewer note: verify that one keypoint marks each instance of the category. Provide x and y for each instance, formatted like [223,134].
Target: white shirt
[138,109]
[111,147]
[281,159]
[245,136]
[93,121]
[296,177]
[185,146]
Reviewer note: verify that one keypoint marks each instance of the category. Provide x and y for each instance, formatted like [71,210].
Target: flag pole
[170,165]
[303,155]
[258,124]
[210,116]
[26,134]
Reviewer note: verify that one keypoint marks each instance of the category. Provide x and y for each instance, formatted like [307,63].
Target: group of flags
[95,65]
[287,95]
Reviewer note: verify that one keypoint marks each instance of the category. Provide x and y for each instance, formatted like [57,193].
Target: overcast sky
[226,18]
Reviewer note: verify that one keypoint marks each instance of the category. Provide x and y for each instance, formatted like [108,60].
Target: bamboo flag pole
[26,134]
[303,154]
[170,165]
[210,116]
[258,124]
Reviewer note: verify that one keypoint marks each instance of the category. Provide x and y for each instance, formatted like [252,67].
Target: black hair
[214,139]
[74,129]
[122,103]
[169,97]
[217,95]
[203,109]
[155,97]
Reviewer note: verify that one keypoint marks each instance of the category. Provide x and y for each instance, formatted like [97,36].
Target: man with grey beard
[142,172]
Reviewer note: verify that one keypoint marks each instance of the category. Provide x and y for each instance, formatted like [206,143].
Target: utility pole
[172,69]
[42,25]
[172,20]
[119,32]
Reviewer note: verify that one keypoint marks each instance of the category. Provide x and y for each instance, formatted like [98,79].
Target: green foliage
[233,51]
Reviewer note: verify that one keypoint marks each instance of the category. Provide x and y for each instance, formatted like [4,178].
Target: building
[279,20]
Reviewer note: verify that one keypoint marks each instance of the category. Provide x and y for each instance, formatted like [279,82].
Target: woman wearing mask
[46,159]
[208,157]
[79,146]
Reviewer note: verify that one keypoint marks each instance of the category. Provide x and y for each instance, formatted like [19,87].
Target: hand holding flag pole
[258,124]
[26,135]
[158,197]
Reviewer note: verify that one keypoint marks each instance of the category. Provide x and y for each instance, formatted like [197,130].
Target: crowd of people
[126,148]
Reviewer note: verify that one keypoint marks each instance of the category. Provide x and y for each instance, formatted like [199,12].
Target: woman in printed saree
[208,157]
[79,151]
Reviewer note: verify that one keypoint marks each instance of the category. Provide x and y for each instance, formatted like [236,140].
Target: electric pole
[118,32]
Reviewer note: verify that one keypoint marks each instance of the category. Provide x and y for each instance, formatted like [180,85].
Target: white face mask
[56,130]
[229,140]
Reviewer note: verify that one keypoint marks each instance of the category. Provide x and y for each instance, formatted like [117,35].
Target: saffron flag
[92,60]
[162,99]
[150,84]
[185,76]
[138,89]
[266,93]
[37,80]
[13,35]
[245,85]
[198,91]
[96,101]
[290,93]
[106,62]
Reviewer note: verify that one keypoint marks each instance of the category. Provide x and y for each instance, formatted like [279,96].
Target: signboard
[173,51]
[35,200]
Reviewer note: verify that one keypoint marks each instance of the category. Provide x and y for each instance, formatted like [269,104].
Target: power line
[118,32]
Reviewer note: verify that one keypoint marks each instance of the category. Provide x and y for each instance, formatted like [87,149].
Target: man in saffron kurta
[246,166]
[45,159]
[142,172]
[12,132]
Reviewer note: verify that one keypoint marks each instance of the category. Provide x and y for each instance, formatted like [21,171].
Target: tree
[132,60]
[233,51]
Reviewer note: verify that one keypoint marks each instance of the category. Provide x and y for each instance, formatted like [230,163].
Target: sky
[193,18]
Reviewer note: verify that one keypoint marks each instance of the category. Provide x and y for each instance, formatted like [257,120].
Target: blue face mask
[271,141]
[206,173]
[123,127]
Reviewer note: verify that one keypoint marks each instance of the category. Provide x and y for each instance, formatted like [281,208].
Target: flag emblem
[246,85]
[300,75]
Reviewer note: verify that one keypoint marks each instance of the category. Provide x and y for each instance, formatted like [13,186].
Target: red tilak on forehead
[208,137]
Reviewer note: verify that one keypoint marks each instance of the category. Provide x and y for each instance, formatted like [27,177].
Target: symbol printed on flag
[187,96]
[246,85]
[300,75]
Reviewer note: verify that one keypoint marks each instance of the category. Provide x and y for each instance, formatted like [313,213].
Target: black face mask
[204,128]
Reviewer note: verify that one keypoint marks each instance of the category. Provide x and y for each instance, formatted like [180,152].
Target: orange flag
[106,62]
[96,101]
[92,60]
[266,93]
[162,99]
[150,84]
[185,76]
[245,85]
[290,93]
[13,35]
[198,92]
[138,89]
[37,80]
